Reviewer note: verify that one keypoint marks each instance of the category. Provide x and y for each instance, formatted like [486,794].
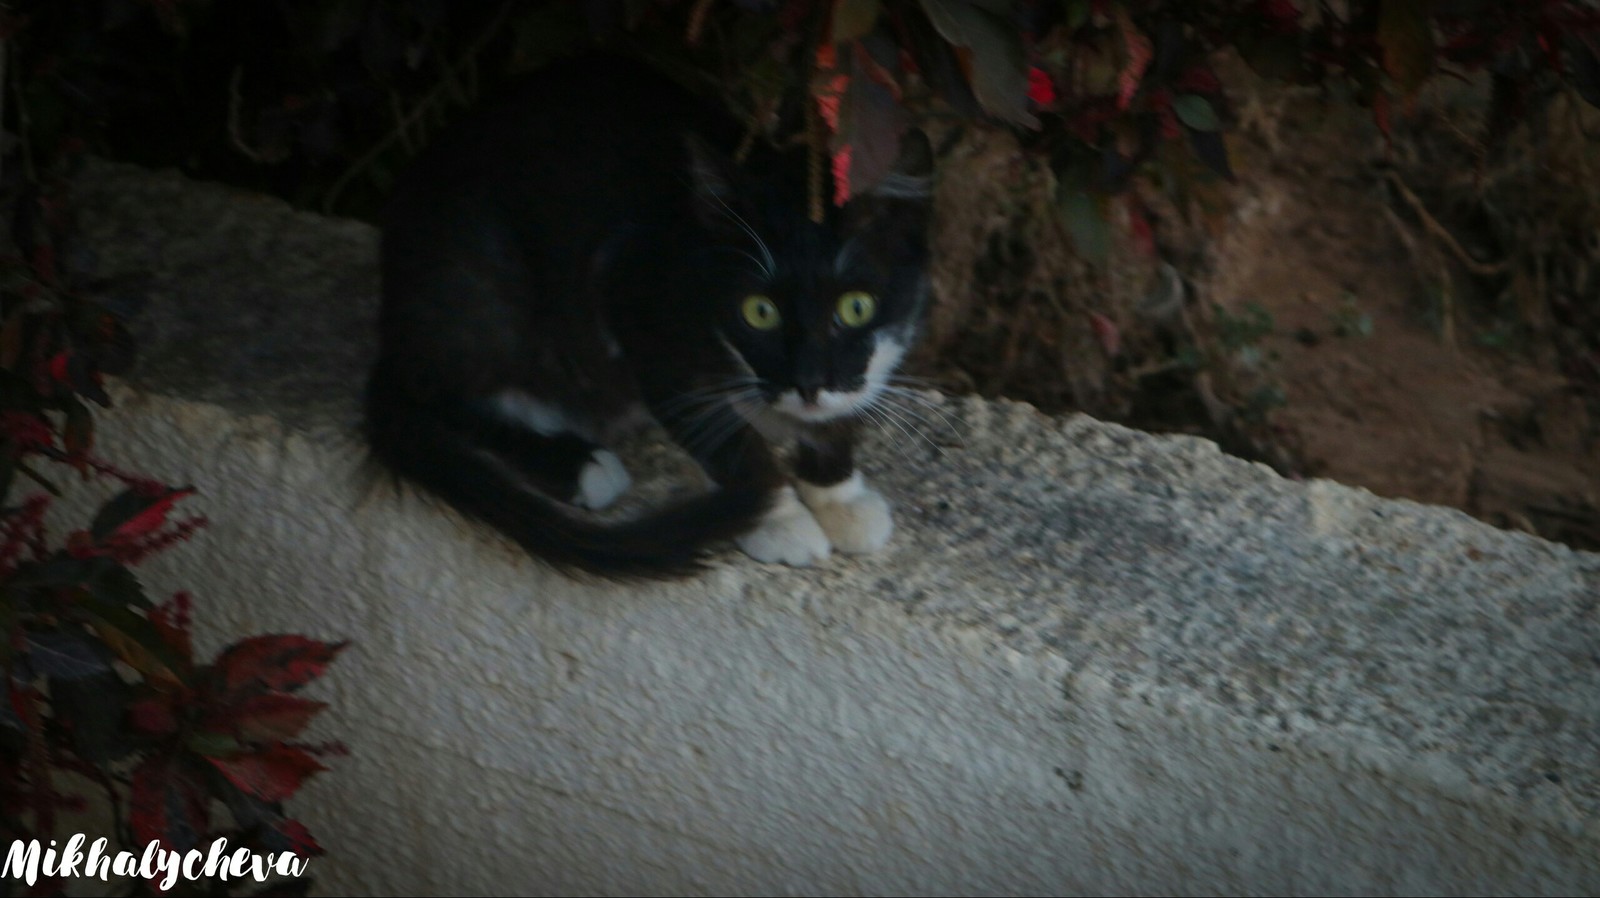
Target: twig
[236,128]
[5,57]
[697,21]
[1481,269]
[1447,314]
[24,124]
[422,107]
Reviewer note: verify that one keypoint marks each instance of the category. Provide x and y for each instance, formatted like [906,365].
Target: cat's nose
[808,392]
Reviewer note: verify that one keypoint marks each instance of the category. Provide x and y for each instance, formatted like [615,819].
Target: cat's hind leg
[546,449]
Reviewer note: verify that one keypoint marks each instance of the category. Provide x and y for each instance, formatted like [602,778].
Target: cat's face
[819,316]
[825,326]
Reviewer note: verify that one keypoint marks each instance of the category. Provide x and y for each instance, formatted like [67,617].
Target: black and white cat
[583,247]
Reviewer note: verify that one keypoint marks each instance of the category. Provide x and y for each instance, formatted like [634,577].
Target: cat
[583,247]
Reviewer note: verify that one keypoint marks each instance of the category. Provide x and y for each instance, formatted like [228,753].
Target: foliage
[324,101]
[104,690]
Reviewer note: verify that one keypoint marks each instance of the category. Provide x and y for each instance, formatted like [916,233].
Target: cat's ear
[897,209]
[911,177]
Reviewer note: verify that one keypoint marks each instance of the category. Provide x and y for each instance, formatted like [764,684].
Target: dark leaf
[999,71]
[137,642]
[92,707]
[1406,35]
[1585,69]
[77,437]
[870,122]
[68,655]
[8,469]
[167,803]
[854,19]
[937,62]
[1196,112]
[1212,150]
[135,512]
[1086,222]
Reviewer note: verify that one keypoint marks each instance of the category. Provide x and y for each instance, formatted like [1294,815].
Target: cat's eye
[856,308]
[760,312]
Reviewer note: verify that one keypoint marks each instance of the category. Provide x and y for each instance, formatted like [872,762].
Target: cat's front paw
[787,535]
[855,516]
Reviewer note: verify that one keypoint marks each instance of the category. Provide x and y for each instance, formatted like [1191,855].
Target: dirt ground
[1376,396]
[1373,385]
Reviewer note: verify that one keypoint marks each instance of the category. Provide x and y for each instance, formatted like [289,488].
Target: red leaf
[171,620]
[1380,113]
[269,717]
[1041,90]
[283,662]
[59,370]
[841,175]
[300,841]
[1140,52]
[27,430]
[272,774]
[153,716]
[1197,80]
[1106,332]
[152,517]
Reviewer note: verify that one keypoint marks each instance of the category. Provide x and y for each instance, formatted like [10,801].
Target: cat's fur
[583,247]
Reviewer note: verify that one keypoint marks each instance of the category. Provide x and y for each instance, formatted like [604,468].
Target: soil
[1376,396]
[1375,385]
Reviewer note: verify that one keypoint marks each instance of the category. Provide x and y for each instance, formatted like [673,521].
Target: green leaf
[213,745]
[1078,13]
[1405,33]
[999,71]
[137,642]
[853,19]
[1196,112]
[1086,222]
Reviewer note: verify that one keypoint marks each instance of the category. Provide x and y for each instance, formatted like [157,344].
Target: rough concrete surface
[1091,660]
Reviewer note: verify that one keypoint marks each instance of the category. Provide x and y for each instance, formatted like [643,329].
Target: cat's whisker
[771,266]
[711,393]
[885,423]
[909,427]
[718,421]
[761,267]
[913,380]
[925,404]
[727,426]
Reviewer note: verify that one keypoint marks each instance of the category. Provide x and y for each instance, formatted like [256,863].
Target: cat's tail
[443,456]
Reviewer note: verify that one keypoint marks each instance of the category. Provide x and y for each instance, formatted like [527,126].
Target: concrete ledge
[1093,660]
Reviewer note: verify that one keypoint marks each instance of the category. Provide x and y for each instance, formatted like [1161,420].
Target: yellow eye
[856,308]
[760,312]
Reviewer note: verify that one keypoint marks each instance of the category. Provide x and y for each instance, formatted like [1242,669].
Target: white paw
[602,480]
[855,516]
[787,535]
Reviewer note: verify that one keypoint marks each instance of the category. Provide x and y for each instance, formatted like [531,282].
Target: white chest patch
[830,404]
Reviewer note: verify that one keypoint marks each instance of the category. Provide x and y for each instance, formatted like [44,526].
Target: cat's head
[818,316]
